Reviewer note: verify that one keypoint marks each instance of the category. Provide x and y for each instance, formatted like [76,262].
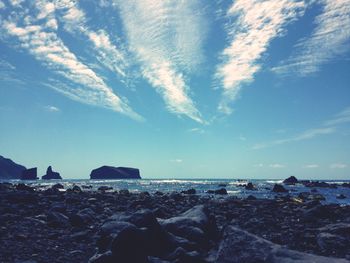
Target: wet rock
[82,218]
[76,189]
[57,219]
[341,196]
[57,186]
[102,258]
[250,187]
[221,191]
[195,225]
[277,188]
[191,191]
[292,180]
[105,188]
[318,184]
[24,187]
[251,197]
[129,246]
[241,246]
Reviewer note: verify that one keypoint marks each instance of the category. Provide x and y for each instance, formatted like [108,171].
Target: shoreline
[76,225]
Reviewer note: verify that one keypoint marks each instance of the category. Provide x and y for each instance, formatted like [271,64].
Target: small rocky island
[110,172]
[50,174]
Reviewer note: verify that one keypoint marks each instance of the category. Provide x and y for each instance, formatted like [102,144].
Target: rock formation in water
[9,169]
[51,174]
[110,172]
[29,174]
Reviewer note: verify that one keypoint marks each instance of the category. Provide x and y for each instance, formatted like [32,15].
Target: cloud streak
[38,36]
[166,38]
[328,127]
[256,24]
[329,40]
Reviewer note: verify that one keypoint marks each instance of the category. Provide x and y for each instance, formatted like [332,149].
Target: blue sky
[179,89]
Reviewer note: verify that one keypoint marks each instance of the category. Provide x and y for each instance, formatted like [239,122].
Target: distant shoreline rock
[9,169]
[29,174]
[110,172]
[50,174]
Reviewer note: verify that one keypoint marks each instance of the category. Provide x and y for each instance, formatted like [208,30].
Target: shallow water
[201,185]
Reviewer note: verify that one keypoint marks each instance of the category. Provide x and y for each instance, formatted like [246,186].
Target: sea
[233,187]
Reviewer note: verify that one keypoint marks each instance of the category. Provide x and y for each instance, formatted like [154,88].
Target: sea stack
[29,174]
[110,172]
[51,174]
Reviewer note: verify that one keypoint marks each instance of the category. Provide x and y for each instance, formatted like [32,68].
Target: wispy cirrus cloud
[255,24]
[51,108]
[328,127]
[37,35]
[311,166]
[328,41]
[338,166]
[166,38]
[107,53]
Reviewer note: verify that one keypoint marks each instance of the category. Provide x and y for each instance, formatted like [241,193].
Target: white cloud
[329,40]
[44,44]
[257,23]
[308,134]
[277,165]
[108,54]
[176,161]
[51,108]
[166,38]
[338,166]
[340,118]
[242,138]
[2,5]
[311,166]
[196,130]
[260,165]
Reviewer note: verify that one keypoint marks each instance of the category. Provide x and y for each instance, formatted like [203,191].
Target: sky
[178,89]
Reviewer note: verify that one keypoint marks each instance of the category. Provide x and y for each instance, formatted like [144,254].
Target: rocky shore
[78,225]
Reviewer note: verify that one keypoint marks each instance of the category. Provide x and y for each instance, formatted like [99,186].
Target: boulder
[51,174]
[9,169]
[250,186]
[110,172]
[29,174]
[241,246]
[277,188]
[221,191]
[291,180]
[191,191]
[194,225]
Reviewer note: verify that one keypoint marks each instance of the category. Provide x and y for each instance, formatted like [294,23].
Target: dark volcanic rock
[250,186]
[291,180]
[277,188]
[221,191]
[29,174]
[241,246]
[189,191]
[110,172]
[51,174]
[10,169]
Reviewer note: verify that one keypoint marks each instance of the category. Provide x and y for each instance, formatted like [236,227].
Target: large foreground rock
[29,174]
[51,174]
[241,246]
[9,169]
[110,172]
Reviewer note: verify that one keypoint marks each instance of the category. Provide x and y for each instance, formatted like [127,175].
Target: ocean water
[202,186]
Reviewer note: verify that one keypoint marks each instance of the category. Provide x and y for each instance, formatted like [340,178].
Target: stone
[221,191]
[58,186]
[130,246]
[195,225]
[241,246]
[291,180]
[110,172]
[104,188]
[250,186]
[189,191]
[277,188]
[82,218]
[24,187]
[29,174]
[9,169]
[341,196]
[50,174]
[57,219]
